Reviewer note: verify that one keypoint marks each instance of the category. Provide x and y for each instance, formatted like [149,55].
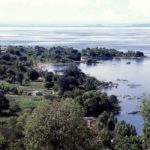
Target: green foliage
[57,126]
[10,89]
[14,107]
[131,143]
[104,138]
[64,55]
[56,120]
[20,77]
[33,75]
[67,83]
[49,85]
[73,78]
[103,53]
[73,71]
[90,83]
[4,103]
[123,129]
[11,75]
[145,111]
[15,63]
[95,103]
[12,136]
[106,123]
[49,76]
[29,103]
[106,120]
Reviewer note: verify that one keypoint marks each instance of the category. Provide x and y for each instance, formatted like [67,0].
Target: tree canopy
[57,126]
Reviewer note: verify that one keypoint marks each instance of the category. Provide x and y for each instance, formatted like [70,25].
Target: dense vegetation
[71,113]
[109,53]
[95,54]
[61,54]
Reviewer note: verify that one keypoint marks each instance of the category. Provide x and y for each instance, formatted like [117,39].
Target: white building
[37,93]
[3,49]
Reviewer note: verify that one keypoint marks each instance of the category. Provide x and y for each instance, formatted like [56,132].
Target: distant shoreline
[81,25]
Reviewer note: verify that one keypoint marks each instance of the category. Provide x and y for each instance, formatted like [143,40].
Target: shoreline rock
[133,112]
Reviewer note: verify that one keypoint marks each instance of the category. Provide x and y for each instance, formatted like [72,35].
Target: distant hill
[120,25]
[81,25]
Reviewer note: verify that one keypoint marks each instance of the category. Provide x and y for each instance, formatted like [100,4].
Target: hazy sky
[69,12]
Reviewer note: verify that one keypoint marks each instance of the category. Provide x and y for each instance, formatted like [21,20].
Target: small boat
[133,112]
[128,62]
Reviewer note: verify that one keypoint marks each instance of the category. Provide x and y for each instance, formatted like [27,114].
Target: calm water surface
[77,37]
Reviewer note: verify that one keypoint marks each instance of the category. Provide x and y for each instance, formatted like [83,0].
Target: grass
[28,88]
[25,101]
[29,102]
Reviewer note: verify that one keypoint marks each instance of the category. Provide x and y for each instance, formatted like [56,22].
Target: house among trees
[37,93]
[91,123]
[3,49]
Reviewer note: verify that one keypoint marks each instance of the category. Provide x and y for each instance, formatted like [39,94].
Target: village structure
[3,49]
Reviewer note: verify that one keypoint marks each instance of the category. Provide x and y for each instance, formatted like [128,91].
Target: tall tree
[57,126]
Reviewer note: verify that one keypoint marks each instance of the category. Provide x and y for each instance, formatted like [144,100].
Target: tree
[26,79]
[90,83]
[123,129]
[20,78]
[105,127]
[67,83]
[131,143]
[11,75]
[49,85]
[57,126]
[49,80]
[95,103]
[4,103]
[139,54]
[11,138]
[74,71]
[106,120]
[125,136]
[104,138]
[49,76]
[33,75]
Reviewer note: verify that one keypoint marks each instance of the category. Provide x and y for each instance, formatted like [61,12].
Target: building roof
[89,118]
[36,91]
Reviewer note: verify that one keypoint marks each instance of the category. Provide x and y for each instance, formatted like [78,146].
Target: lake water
[134,77]
[78,37]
